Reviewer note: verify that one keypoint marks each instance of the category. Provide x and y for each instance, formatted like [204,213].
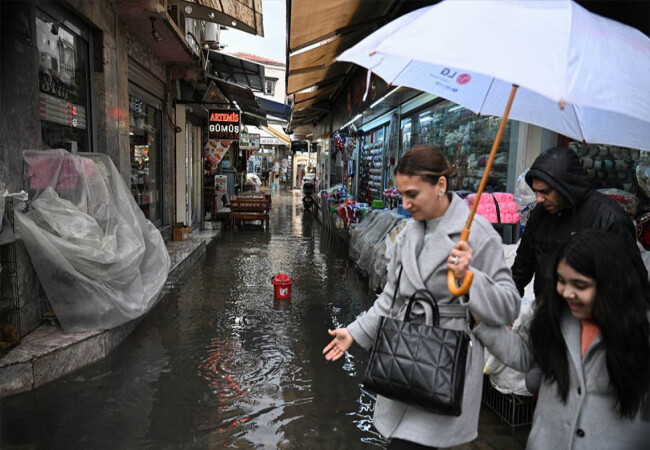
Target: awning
[235,70]
[275,109]
[244,15]
[277,132]
[245,99]
[313,77]
[340,25]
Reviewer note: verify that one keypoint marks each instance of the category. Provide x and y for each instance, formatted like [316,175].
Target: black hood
[560,168]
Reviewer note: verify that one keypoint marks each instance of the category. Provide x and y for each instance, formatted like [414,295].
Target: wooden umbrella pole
[456,290]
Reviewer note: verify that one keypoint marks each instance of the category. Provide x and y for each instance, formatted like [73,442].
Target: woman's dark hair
[620,312]
[427,162]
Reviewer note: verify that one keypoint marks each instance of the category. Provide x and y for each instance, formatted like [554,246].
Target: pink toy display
[487,207]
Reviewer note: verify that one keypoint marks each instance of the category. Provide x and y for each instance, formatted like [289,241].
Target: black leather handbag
[419,364]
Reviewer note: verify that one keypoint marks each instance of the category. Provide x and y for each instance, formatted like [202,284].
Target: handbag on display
[419,364]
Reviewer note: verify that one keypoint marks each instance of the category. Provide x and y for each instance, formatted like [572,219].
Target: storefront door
[146,157]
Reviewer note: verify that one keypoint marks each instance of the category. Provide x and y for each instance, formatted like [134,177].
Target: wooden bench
[249,207]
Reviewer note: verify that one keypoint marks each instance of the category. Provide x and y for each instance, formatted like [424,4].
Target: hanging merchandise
[338,144]
[371,166]
[392,150]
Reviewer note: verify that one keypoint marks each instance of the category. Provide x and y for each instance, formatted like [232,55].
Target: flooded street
[220,363]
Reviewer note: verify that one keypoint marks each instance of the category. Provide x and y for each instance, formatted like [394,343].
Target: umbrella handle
[458,291]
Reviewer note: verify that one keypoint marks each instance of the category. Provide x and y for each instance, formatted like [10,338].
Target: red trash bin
[282,284]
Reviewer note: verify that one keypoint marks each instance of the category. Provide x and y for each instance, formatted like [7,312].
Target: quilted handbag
[417,363]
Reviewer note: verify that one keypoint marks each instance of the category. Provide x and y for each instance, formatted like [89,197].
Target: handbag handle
[496,207]
[429,298]
[399,278]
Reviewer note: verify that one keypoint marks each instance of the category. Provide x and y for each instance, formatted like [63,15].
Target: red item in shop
[282,285]
[643,231]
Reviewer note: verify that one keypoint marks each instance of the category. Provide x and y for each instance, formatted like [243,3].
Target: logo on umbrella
[463,78]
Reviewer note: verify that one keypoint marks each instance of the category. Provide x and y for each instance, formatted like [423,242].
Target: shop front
[145,142]
[64,84]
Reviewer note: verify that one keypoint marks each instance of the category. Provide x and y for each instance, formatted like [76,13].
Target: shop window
[465,139]
[63,85]
[371,165]
[269,86]
[146,158]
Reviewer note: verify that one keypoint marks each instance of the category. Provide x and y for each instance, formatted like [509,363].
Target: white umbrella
[578,74]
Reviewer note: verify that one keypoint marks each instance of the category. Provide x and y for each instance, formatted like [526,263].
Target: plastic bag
[523,193]
[373,237]
[99,260]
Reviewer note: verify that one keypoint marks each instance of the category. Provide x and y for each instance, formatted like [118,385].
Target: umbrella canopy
[579,74]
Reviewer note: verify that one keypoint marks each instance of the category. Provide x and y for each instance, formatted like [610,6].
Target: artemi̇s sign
[224,124]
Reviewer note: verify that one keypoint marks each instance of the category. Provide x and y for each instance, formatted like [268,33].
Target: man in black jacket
[566,204]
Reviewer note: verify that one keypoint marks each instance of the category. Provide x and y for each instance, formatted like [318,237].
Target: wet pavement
[220,363]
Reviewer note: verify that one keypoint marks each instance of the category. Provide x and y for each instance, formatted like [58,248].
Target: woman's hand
[340,344]
[459,259]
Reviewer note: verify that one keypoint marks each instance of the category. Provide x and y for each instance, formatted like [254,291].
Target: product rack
[515,410]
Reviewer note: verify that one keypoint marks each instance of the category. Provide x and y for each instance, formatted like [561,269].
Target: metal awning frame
[200,10]
[241,70]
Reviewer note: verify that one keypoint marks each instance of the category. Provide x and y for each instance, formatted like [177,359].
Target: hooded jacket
[562,170]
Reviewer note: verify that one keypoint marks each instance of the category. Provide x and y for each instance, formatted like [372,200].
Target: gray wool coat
[588,420]
[423,253]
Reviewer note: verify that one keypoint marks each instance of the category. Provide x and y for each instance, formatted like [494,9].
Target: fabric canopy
[275,131]
[340,25]
[273,108]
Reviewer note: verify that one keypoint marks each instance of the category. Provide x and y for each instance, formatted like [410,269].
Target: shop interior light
[455,108]
[354,119]
[384,97]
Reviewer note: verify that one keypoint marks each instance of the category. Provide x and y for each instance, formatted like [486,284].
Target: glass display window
[465,139]
[371,165]
[146,158]
[63,84]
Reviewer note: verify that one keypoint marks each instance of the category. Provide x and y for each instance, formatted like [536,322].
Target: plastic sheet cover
[99,260]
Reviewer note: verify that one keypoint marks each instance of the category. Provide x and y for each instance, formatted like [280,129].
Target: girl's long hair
[620,312]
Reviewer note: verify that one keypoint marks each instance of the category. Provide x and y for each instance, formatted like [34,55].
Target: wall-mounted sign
[59,111]
[271,141]
[249,141]
[224,124]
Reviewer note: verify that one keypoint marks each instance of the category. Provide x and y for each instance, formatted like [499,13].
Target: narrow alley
[220,363]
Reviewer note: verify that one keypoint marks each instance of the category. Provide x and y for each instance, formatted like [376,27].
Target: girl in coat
[589,335]
[428,249]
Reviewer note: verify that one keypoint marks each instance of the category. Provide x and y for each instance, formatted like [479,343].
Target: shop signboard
[224,124]
[249,141]
[271,141]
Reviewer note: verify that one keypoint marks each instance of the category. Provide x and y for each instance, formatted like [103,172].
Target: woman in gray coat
[589,335]
[429,248]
